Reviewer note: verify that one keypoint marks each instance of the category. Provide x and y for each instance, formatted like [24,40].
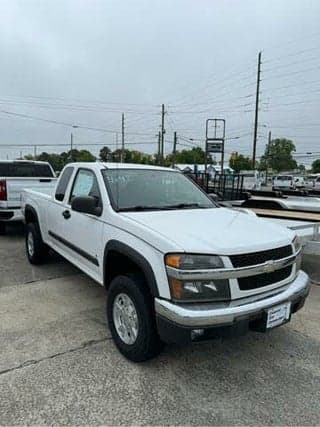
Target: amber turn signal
[176,287]
[173,260]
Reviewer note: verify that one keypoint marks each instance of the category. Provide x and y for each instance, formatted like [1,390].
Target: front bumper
[175,321]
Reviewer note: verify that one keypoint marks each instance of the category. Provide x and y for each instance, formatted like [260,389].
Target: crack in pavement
[52,278]
[53,356]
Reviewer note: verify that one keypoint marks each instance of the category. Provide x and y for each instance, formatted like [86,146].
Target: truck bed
[15,187]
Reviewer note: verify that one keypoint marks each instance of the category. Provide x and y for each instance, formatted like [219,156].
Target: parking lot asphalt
[58,365]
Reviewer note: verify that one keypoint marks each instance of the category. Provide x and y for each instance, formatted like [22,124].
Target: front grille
[265,279]
[244,260]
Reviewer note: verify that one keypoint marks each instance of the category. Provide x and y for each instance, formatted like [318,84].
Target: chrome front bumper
[220,314]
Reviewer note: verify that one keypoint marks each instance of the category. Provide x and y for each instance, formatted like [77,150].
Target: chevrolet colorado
[177,267]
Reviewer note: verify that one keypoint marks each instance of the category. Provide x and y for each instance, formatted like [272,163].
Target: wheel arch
[121,256]
[30,215]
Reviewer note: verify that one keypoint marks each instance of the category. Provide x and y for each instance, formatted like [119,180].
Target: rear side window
[25,170]
[63,183]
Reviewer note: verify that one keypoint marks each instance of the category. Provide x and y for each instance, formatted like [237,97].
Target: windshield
[284,178]
[150,189]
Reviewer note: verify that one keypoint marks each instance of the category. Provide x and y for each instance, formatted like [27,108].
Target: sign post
[215,139]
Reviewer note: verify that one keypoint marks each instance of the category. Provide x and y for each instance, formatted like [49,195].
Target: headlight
[189,289]
[193,262]
[297,244]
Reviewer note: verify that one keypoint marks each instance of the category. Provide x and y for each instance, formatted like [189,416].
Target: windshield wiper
[188,205]
[143,208]
[163,208]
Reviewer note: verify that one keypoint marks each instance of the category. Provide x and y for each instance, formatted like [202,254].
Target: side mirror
[213,196]
[86,204]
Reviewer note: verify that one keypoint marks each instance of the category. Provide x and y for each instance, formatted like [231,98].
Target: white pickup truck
[177,267]
[16,175]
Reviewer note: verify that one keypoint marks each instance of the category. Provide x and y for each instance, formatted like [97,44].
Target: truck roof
[107,165]
[24,161]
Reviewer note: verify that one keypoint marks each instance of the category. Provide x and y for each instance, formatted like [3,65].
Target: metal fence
[227,186]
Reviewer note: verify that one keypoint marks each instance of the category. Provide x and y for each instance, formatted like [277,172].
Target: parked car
[177,267]
[284,182]
[299,182]
[311,180]
[251,180]
[317,183]
[16,175]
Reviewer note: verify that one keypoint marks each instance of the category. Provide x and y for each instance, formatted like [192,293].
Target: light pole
[71,142]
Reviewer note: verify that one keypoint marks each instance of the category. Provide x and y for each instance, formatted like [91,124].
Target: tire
[37,251]
[146,344]
[2,228]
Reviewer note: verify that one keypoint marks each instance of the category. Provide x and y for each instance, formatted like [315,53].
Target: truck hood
[221,231]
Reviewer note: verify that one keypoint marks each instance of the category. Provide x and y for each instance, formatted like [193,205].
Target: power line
[72,125]
[83,100]
[300,52]
[304,70]
[277,67]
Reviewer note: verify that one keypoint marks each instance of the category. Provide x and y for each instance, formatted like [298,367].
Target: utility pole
[256,116]
[159,147]
[174,152]
[35,152]
[267,156]
[122,138]
[163,131]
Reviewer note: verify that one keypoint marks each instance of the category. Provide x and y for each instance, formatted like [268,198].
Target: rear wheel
[131,318]
[37,251]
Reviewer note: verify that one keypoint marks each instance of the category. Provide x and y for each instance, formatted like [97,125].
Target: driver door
[83,231]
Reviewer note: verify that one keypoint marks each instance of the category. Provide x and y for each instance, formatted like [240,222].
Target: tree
[278,155]
[58,161]
[316,166]
[55,160]
[105,154]
[85,156]
[194,156]
[240,162]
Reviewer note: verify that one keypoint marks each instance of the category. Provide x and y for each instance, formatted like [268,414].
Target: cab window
[63,183]
[86,184]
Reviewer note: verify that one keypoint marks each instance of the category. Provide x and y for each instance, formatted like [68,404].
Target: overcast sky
[82,63]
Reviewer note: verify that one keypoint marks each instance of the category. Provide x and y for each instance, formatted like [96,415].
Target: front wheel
[131,318]
[37,251]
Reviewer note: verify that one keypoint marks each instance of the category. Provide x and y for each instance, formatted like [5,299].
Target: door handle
[66,214]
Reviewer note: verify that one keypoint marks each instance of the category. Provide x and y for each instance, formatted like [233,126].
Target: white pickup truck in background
[15,176]
[177,267]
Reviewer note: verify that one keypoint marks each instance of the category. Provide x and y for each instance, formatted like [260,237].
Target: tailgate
[15,186]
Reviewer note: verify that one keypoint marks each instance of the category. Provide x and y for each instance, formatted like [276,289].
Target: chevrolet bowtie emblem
[269,266]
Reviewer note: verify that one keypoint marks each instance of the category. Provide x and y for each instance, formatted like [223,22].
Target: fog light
[196,333]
